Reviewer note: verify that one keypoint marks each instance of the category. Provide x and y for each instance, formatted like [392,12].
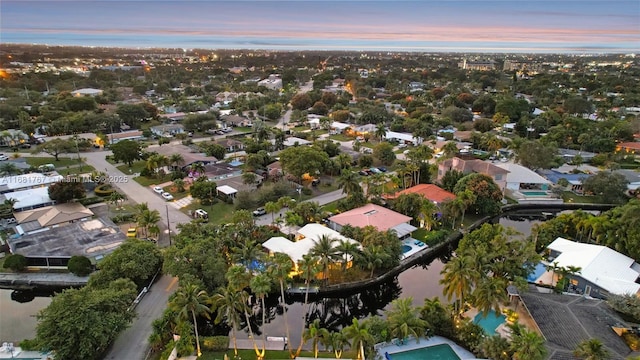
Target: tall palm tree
[197,168]
[347,251]
[450,149]
[372,257]
[190,300]
[327,254]
[344,161]
[453,209]
[272,208]
[147,218]
[468,198]
[496,347]
[349,182]
[116,197]
[9,169]
[381,131]
[280,269]
[337,342]
[591,349]
[309,267]
[489,293]
[359,335]
[316,333]
[404,319]
[179,184]
[228,303]
[261,286]
[246,252]
[458,278]
[527,345]
[238,279]
[428,211]
[176,160]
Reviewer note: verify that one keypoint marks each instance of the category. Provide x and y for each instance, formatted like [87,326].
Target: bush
[306,191]
[104,190]
[90,200]
[632,340]
[15,262]
[123,218]
[80,266]
[215,343]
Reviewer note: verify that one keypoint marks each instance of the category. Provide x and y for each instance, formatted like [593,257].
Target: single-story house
[190,155]
[227,191]
[431,192]
[87,92]
[173,116]
[402,137]
[167,130]
[231,145]
[52,216]
[522,178]
[235,120]
[27,181]
[381,218]
[602,271]
[54,247]
[575,180]
[13,137]
[217,171]
[365,129]
[340,127]
[125,135]
[20,163]
[633,177]
[29,199]
[498,174]
[305,239]
[569,154]
[293,141]
[630,147]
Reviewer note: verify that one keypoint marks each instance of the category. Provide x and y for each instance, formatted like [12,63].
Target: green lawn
[145,181]
[219,213]
[271,354]
[63,162]
[341,137]
[244,129]
[136,167]
[176,195]
[331,207]
[85,169]
[570,197]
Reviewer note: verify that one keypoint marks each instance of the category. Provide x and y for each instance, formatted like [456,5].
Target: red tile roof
[381,218]
[428,191]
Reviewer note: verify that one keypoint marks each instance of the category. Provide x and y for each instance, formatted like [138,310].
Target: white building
[30,198]
[87,92]
[273,82]
[27,181]
[521,178]
[402,137]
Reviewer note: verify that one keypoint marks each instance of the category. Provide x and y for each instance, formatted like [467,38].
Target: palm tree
[381,131]
[279,270]
[261,286]
[344,161]
[179,184]
[337,342]
[9,169]
[316,333]
[176,160]
[468,198]
[147,218]
[238,279]
[427,212]
[453,209]
[349,182]
[324,250]
[404,319]
[527,345]
[458,278]
[197,168]
[190,300]
[309,267]
[228,303]
[591,349]
[489,294]
[496,347]
[116,197]
[449,149]
[272,208]
[347,250]
[359,335]
[372,257]
[246,252]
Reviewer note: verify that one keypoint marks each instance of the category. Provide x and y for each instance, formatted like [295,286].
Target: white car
[158,190]
[3,157]
[167,196]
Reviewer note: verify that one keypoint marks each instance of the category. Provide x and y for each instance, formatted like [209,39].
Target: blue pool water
[437,352]
[489,323]
[534,193]
[539,270]
[406,248]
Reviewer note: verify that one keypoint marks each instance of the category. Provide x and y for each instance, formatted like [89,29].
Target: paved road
[133,343]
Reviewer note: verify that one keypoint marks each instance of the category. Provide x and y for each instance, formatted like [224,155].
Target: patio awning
[226,189]
[404,229]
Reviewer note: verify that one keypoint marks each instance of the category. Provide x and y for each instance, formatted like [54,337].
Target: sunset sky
[418,25]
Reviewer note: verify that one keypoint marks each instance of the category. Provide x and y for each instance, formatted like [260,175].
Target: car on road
[158,190]
[3,157]
[167,196]
[259,211]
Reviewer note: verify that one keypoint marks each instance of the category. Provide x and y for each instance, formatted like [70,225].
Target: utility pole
[168,224]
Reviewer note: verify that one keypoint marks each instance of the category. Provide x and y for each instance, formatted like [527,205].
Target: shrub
[80,266]
[104,190]
[215,343]
[632,340]
[90,200]
[306,191]
[123,218]
[15,262]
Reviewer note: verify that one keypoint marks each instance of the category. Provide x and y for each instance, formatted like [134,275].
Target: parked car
[259,211]
[315,182]
[3,157]
[375,170]
[167,196]
[132,232]
[382,168]
[201,214]
[363,173]
[158,190]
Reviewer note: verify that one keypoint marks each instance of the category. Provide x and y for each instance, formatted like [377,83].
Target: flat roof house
[381,218]
[27,181]
[603,270]
[29,199]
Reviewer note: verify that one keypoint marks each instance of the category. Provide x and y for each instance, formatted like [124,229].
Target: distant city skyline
[542,26]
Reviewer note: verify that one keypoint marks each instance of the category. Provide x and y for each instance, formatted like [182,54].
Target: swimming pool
[489,323]
[436,352]
[533,193]
[537,272]
[406,248]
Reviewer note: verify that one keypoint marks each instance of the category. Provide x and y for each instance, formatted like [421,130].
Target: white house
[273,82]
[521,178]
[87,92]
[27,181]
[402,137]
[30,199]
[602,270]
[167,130]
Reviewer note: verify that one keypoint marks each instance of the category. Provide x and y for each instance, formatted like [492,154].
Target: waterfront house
[498,174]
[602,271]
[381,218]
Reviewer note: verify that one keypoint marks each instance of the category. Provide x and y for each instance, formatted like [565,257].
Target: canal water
[18,322]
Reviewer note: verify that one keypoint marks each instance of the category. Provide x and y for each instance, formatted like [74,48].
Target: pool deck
[412,344]
[414,248]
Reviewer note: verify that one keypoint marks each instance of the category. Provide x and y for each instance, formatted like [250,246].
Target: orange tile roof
[428,191]
[380,217]
[630,145]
